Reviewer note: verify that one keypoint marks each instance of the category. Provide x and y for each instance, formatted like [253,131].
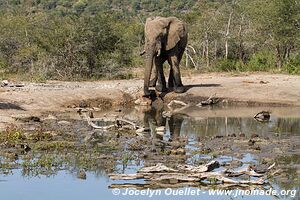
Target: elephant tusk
[158,53]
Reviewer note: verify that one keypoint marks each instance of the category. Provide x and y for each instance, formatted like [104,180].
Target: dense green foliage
[79,39]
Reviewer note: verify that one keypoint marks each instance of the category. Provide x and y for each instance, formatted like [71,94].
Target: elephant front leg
[152,82]
[161,80]
[178,86]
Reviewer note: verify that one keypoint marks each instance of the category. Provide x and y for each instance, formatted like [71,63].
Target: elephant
[165,40]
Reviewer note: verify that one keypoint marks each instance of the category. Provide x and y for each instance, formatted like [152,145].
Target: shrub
[225,65]
[293,66]
[261,61]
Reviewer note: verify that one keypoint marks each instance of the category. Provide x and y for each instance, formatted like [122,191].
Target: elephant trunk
[148,68]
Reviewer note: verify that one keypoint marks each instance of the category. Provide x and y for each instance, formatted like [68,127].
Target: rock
[26,118]
[50,117]
[4,83]
[254,135]
[263,82]
[242,135]
[235,164]
[143,101]
[81,174]
[219,136]
[212,165]
[83,104]
[251,142]
[261,169]
[232,135]
[64,123]
[262,116]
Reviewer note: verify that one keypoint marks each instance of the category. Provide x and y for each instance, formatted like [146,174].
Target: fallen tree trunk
[186,173]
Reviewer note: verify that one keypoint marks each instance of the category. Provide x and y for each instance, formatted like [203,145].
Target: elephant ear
[177,30]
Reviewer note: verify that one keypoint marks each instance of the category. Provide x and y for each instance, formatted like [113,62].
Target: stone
[81,174]
[64,123]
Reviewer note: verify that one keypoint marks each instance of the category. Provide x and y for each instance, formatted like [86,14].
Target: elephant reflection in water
[153,118]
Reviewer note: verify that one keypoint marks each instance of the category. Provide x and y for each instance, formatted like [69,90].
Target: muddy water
[194,137]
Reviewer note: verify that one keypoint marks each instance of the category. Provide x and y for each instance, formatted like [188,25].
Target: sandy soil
[35,98]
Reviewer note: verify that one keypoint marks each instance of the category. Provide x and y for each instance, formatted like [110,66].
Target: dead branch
[188,56]
[117,123]
[227,34]
[210,101]
[190,46]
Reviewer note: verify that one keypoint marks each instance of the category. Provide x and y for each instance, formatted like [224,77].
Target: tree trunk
[207,49]
[216,50]
[241,46]
[287,51]
[186,58]
[227,34]
[203,49]
[278,57]
[91,63]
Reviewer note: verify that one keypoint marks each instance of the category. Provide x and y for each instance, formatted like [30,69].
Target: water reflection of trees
[229,125]
[290,179]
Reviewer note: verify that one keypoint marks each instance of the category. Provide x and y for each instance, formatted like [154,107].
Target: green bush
[261,61]
[225,65]
[293,66]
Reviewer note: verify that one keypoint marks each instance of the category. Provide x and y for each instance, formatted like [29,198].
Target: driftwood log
[117,123]
[210,101]
[161,174]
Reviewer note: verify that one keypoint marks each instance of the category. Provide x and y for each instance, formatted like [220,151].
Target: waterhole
[65,158]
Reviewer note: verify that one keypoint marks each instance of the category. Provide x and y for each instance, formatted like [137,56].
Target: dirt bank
[56,96]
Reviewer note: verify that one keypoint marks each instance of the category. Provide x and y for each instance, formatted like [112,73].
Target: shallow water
[63,183]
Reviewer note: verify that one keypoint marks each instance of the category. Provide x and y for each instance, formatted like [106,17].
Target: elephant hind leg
[174,62]
[171,78]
